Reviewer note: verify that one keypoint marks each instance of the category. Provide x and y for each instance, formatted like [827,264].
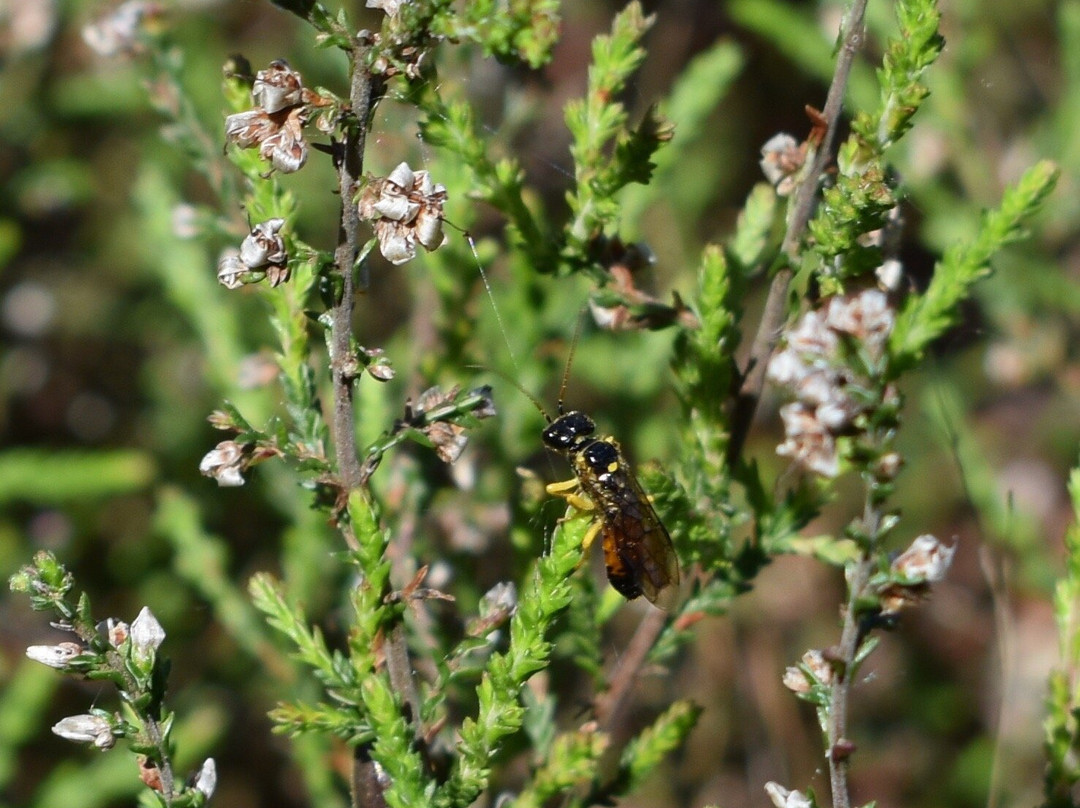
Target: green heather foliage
[212,264]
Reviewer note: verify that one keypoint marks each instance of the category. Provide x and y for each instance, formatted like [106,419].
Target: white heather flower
[784,798]
[119,31]
[389,7]
[925,561]
[407,208]
[787,368]
[890,275]
[226,463]
[808,441]
[86,729]
[812,339]
[277,87]
[867,317]
[55,656]
[147,635]
[795,680]
[818,666]
[206,779]
[782,159]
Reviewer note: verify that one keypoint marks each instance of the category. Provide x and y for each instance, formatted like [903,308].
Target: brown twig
[363,93]
[803,205]
[350,166]
[851,638]
[611,705]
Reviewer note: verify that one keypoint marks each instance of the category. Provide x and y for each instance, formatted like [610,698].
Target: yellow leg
[591,534]
[569,490]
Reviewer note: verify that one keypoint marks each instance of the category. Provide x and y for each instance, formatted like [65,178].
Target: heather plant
[380,336]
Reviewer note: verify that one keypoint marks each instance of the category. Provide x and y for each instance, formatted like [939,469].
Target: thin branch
[803,205]
[611,706]
[350,168]
[850,639]
[363,93]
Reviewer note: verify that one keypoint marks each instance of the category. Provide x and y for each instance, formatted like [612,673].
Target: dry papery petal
[785,798]
[250,128]
[206,780]
[277,87]
[55,656]
[890,275]
[808,442]
[286,149]
[263,245]
[925,561]
[812,338]
[85,728]
[389,7]
[232,273]
[225,463]
[396,242]
[867,317]
[782,158]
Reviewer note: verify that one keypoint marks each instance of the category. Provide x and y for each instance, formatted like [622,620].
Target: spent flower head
[407,209]
[262,255]
[276,125]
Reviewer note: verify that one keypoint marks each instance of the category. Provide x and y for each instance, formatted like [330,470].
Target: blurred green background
[117,343]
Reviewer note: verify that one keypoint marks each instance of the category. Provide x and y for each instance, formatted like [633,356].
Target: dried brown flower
[407,209]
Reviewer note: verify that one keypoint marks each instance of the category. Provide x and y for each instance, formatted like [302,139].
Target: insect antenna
[517,386]
[570,362]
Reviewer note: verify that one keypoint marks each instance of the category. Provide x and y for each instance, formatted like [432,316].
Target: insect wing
[638,553]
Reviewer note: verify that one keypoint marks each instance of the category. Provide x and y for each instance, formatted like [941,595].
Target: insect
[638,553]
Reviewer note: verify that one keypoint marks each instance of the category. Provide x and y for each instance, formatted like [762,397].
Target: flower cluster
[275,125]
[817,362]
[407,209]
[125,655]
[261,256]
